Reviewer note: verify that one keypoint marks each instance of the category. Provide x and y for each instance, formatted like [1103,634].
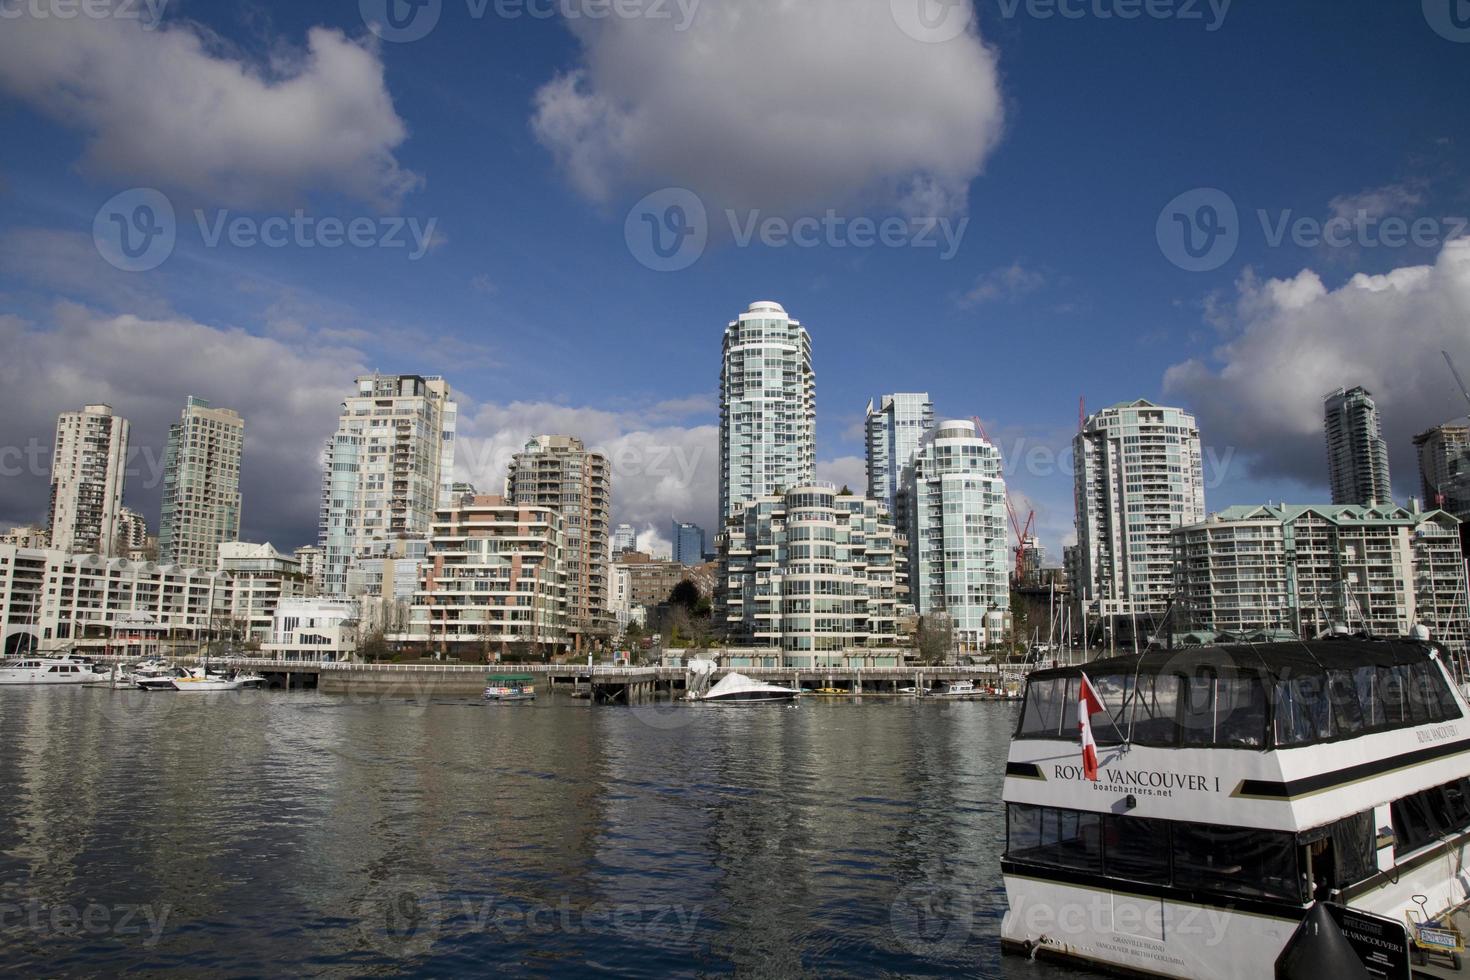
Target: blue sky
[526,141]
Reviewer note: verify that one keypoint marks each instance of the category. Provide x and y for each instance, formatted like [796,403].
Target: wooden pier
[607,684]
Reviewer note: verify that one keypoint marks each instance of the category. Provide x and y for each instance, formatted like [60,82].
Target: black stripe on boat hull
[1291,789]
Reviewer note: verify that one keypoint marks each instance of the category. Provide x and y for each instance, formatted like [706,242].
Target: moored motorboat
[1218,804]
[48,671]
[736,688]
[509,687]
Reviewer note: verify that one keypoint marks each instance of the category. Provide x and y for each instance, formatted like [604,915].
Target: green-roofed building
[1304,568]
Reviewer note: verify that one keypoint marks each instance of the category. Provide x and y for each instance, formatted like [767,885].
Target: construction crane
[1022,532]
[1458,380]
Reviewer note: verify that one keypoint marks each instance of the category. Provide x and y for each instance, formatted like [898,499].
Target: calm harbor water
[267,833]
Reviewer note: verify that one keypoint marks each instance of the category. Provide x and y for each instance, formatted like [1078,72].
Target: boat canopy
[509,679]
[1257,696]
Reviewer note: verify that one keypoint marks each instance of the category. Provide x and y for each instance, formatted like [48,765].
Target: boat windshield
[1251,697]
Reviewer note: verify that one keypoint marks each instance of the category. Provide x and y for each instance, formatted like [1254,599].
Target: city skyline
[528,297]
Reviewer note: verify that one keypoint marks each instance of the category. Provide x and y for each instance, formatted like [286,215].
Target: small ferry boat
[956,689]
[49,670]
[510,687]
[736,688]
[1184,813]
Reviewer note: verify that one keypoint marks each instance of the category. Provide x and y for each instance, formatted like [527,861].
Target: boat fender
[1319,949]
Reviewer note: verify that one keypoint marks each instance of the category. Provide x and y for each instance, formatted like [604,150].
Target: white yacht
[49,670]
[1233,793]
[200,682]
[738,689]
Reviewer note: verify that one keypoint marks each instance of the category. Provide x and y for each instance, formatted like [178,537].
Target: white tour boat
[1212,801]
[738,689]
[49,670]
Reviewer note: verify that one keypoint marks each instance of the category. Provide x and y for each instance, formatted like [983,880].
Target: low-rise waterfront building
[87,596]
[493,582]
[314,630]
[808,576]
[260,578]
[1304,569]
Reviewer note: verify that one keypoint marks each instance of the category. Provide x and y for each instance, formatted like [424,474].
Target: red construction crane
[1022,532]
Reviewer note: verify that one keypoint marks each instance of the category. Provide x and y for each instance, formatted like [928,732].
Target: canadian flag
[1088,702]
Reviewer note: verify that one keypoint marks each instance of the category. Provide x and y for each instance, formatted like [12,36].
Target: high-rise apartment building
[624,538]
[893,430]
[1357,456]
[809,575]
[388,468]
[132,532]
[1139,475]
[768,407]
[87,467]
[559,472]
[309,557]
[688,543]
[201,485]
[957,533]
[1304,569]
[1444,468]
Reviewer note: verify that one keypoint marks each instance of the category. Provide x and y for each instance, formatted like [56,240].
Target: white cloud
[176,108]
[775,104]
[288,395]
[1377,202]
[661,470]
[1009,282]
[1294,340]
[845,471]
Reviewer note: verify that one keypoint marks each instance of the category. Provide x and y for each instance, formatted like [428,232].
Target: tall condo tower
[893,430]
[1139,475]
[768,407]
[1444,467]
[87,480]
[558,472]
[957,533]
[1357,456]
[201,485]
[387,468]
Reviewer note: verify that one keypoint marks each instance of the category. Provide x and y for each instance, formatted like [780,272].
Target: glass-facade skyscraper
[387,469]
[893,429]
[1139,475]
[957,533]
[688,543]
[768,407]
[1357,456]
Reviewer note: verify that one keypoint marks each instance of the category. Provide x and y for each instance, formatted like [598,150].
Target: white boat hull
[206,685]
